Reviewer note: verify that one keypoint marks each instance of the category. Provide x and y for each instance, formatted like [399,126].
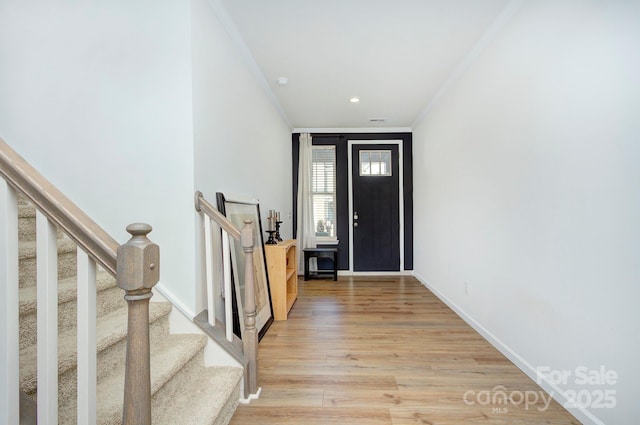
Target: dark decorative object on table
[278,237]
[271,240]
[273,228]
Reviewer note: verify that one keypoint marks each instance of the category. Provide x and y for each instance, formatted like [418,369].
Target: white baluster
[9,299]
[226,270]
[208,254]
[47,298]
[87,292]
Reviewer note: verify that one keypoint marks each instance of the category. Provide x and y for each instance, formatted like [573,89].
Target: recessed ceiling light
[282,81]
[354,99]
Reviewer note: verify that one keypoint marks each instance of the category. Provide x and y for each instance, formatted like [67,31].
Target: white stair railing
[213,219]
[137,277]
[209,225]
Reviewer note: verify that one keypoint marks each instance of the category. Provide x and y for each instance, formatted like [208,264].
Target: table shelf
[282,266]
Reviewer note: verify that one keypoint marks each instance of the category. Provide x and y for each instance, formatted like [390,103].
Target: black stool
[321,253]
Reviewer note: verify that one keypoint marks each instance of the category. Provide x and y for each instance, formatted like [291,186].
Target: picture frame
[237,209]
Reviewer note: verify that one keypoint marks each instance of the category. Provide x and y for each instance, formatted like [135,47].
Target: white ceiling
[393,54]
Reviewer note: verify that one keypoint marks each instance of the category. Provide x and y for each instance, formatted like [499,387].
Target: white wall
[242,145]
[526,186]
[129,107]
[97,96]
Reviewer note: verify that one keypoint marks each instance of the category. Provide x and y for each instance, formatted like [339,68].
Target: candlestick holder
[271,240]
[278,238]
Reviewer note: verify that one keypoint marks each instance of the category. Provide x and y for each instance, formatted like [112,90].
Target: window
[323,188]
[375,163]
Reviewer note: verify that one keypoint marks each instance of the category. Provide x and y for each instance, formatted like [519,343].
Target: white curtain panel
[306,232]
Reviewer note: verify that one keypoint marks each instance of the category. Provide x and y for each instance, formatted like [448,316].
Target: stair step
[26,211]
[27,249]
[23,200]
[167,359]
[27,223]
[111,360]
[67,290]
[109,298]
[212,396]
[27,258]
[111,329]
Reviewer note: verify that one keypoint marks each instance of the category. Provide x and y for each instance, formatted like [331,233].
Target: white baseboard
[352,273]
[168,296]
[582,414]
[251,396]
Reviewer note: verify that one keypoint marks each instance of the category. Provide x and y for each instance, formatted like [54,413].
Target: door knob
[355,224]
[355,215]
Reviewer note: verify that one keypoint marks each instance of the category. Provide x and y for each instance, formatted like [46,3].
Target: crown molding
[354,130]
[230,27]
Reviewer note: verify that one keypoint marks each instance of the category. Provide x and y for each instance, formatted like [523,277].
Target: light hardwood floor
[386,351]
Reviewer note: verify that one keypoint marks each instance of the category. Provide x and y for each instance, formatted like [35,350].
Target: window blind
[323,187]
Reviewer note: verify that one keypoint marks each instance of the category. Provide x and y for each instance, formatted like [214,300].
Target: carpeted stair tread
[212,396]
[66,251]
[110,329]
[27,249]
[109,298]
[23,200]
[67,290]
[27,223]
[26,211]
[167,358]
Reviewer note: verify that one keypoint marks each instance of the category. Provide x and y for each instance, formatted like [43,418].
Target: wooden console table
[282,266]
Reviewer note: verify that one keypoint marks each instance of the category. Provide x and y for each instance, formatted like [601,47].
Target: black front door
[376,208]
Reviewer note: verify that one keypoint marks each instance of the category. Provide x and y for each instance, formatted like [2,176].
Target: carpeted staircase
[184,391]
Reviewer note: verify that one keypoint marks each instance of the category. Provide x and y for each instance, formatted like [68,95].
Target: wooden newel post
[250,336]
[138,270]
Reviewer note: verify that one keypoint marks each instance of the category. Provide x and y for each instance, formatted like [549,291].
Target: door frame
[350,144]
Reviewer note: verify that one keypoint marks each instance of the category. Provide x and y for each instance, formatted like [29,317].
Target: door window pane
[385,163]
[375,163]
[364,163]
